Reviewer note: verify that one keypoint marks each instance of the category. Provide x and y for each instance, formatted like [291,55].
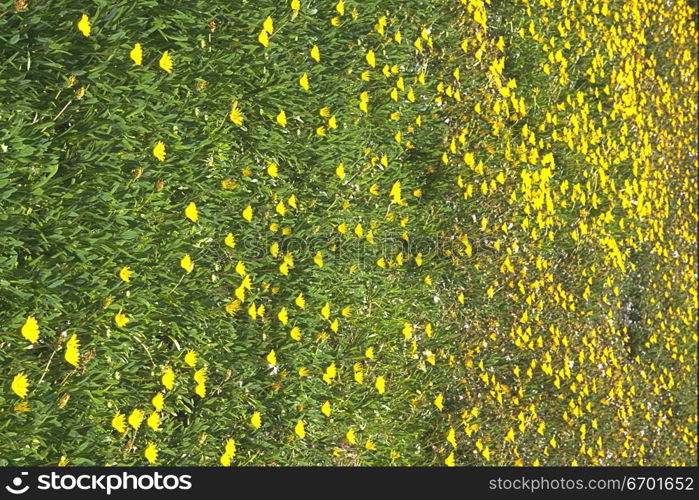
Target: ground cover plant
[348,232]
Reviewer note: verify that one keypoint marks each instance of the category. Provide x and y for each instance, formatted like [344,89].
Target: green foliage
[573,336]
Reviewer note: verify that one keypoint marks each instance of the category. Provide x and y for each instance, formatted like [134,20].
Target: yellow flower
[187,263]
[233,307]
[369,353]
[166,62]
[303,372]
[230,448]
[228,184]
[281,118]
[273,170]
[256,420]
[418,44]
[20,385]
[395,193]
[191,358]
[407,331]
[439,401]
[159,151]
[247,213]
[330,373]
[300,429]
[369,445]
[315,53]
[451,437]
[84,25]
[272,358]
[371,58]
[22,407]
[136,54]
[228,453]
[295,333]
[252,311]
[358,370]
[236,116]
[283,316]
[30,330]
[263,38]
[325,311]
[191,212]
[158,401]
[119,422]
[200,375]
[289,259]
[168,378]
[200,390]
[125,274]
[268,25]
[120,319]
[318,259]
[154,421]
[325,409]
[303,81]
[151,453]
[135,418]
[418,259]
[449,461]
[380,384]
[340,171]
[295,5]
[300,301]
[351,436]
[230,240]
[72,354]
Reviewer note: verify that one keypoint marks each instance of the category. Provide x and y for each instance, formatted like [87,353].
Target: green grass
[547,345]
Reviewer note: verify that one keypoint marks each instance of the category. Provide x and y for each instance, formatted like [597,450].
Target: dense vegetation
[348,232]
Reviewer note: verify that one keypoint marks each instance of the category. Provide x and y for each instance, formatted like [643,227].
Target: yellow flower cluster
[552,320]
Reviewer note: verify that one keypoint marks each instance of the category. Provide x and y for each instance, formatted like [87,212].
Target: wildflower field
[322,232]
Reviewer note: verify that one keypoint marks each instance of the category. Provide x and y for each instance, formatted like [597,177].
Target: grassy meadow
[321,232]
